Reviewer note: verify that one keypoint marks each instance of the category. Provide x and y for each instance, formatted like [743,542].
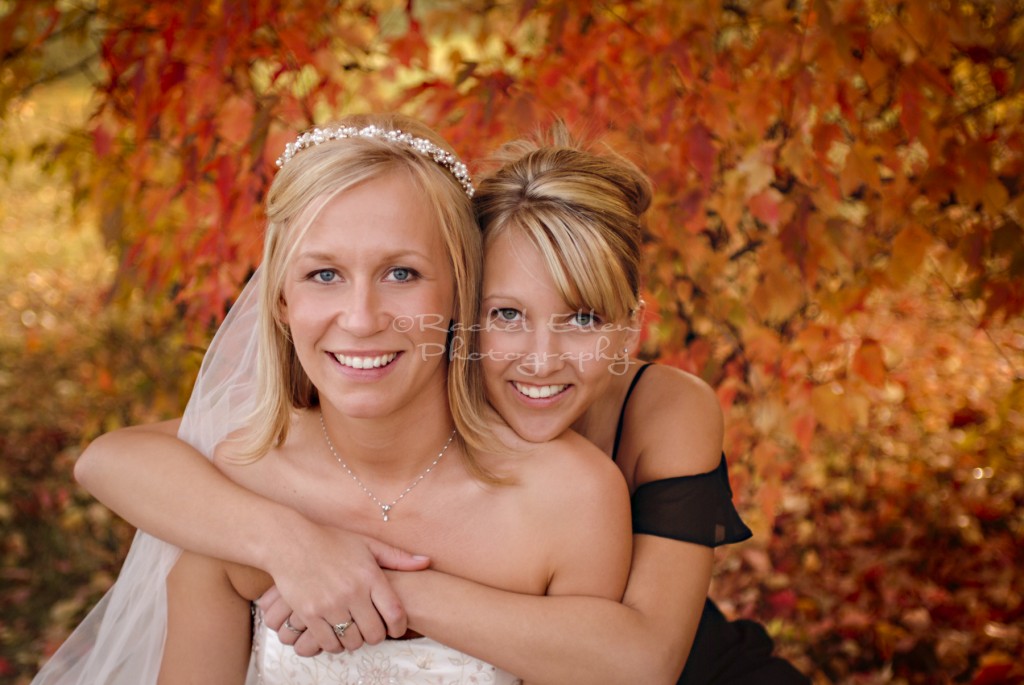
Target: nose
[362,313]
[545,355]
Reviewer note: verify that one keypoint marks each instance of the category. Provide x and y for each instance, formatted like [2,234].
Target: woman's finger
[275,609]
[291,630]
[349,634]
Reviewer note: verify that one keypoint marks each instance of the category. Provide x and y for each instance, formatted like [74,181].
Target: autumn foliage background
[836,245]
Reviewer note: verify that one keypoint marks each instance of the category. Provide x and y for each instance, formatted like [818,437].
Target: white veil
[121,641]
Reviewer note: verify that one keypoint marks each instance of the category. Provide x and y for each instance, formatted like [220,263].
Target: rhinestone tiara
[321,135]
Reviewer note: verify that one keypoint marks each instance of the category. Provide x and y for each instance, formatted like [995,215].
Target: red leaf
[226,182]
[782,602]
[101,141]
[700,152]
[995,669]
[911,113]
[412,46]
[765,207]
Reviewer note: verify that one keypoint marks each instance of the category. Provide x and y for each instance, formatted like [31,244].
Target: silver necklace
[385,509]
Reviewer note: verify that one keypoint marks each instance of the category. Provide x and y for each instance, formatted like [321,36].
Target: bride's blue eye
[402,274]
[324,276]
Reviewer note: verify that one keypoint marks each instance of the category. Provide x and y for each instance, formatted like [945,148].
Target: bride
[359,419]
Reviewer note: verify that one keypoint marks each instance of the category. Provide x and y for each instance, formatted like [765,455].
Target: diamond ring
[340,628]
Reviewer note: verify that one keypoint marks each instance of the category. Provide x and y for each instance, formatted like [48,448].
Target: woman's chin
[539,431]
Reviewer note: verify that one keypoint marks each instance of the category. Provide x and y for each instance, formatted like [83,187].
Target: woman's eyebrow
[320,255]
[490,295]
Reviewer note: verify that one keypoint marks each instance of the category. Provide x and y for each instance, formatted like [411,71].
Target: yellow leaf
[830,408]
[779,295]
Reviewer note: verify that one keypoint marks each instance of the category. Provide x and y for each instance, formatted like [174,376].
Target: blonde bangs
[586,270]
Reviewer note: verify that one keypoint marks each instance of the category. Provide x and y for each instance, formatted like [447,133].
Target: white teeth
[366,362]
[537,392]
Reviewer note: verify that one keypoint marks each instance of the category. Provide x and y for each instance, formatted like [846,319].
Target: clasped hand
[331,594]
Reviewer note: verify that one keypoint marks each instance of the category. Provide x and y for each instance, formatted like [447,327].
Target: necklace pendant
[385,509]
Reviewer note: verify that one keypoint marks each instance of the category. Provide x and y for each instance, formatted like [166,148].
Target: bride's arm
[165,487]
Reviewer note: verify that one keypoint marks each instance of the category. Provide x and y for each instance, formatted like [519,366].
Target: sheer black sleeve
[694,509]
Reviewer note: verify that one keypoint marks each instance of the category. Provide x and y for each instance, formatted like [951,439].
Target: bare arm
[207,626]
[563,639]
[165,487]
[646,638]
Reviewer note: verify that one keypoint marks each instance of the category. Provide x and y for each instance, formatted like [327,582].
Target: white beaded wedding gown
[419,661]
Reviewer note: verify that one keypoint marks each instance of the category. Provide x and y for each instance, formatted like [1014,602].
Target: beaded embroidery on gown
[419,661]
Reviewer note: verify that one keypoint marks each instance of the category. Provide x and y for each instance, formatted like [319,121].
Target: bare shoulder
[674,425]
[234,451]
[576,467]
[169,427]
[228,453]
[568,458]
[580,500]
[561,480]
[230,458]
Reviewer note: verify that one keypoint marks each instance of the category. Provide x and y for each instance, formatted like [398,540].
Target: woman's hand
[333,577]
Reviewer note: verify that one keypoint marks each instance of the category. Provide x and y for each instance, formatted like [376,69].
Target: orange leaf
[869,363]
[234,120]
[778,296]
[860,169]
[765,207]
[803,426]
[994,196]
[908,251]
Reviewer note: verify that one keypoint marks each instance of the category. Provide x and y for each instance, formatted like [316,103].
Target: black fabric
[622,412]
[694,508]
[699,509]
[728,652]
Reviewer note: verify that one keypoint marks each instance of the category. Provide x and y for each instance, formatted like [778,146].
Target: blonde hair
[299,192]
[582,210]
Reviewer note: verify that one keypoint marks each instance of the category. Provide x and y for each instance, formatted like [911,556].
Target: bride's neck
[396,445]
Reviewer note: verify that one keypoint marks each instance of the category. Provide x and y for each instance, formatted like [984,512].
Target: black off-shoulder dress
[699,509]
